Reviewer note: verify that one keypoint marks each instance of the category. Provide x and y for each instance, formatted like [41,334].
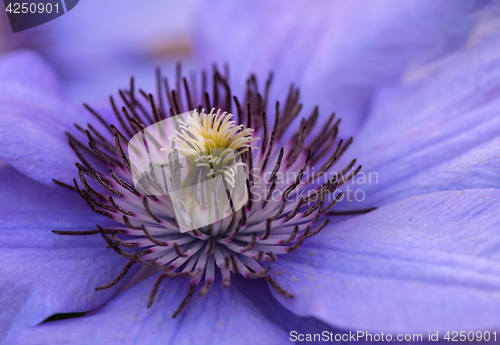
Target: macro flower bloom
[193,197]
[262,229]
[426,260]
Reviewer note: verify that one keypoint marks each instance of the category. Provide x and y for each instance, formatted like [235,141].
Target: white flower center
[214,141]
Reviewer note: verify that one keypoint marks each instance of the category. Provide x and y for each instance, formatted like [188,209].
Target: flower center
[258,207]
[213,141]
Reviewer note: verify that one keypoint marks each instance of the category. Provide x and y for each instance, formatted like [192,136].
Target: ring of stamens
[262,230]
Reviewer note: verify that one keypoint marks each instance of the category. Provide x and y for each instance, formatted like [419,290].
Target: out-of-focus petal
[42,273]
[33,118]
[338,52]
[426,263]
[245,313]
[25,67]
[440,131]
[97,46]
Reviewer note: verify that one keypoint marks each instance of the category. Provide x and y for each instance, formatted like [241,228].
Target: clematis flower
[261,229]
[426,260]
[93,49]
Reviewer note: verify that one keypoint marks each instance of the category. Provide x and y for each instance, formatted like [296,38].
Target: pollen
[202,133]
[213,141]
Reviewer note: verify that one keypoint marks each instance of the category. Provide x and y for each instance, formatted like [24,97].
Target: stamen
[188,95]
[177,103]
[102,140]
[65,185]
[268,154]
[239,110]
[301,240]
[276,119]
[80,232]
[178,72]
[167,92]
[266,134]
[350,176]
[260,274]
[152,294]
[97,116]
[292,235]
[259,257]
[268,230]
[129,107]
[321,137]
[295,211]
[268,85]
[99,179]
[159,92]
[234,233]
[123,183]
[118,242]
[317,230]
[277,166]
[152,239]
[91,202]
[185,301]
[205,289]
[352,212]
[119,117]
[234,265]
[178,251]
[271,257]
[103,156]
[152,104]
[249,116]
[278,288]
[117,249]
[251,244]
[73,144]
[118,278]
[207,101]
[292,157]
[129,225]
[327,147]
[87,186]
[210,246]
[250,195]
[333,203]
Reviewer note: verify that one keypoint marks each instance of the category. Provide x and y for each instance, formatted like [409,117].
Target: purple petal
[426,263]
[42,273]
[338,53]
[439,132]
[120,42]
[27,68]
[33,119]
[244,313]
